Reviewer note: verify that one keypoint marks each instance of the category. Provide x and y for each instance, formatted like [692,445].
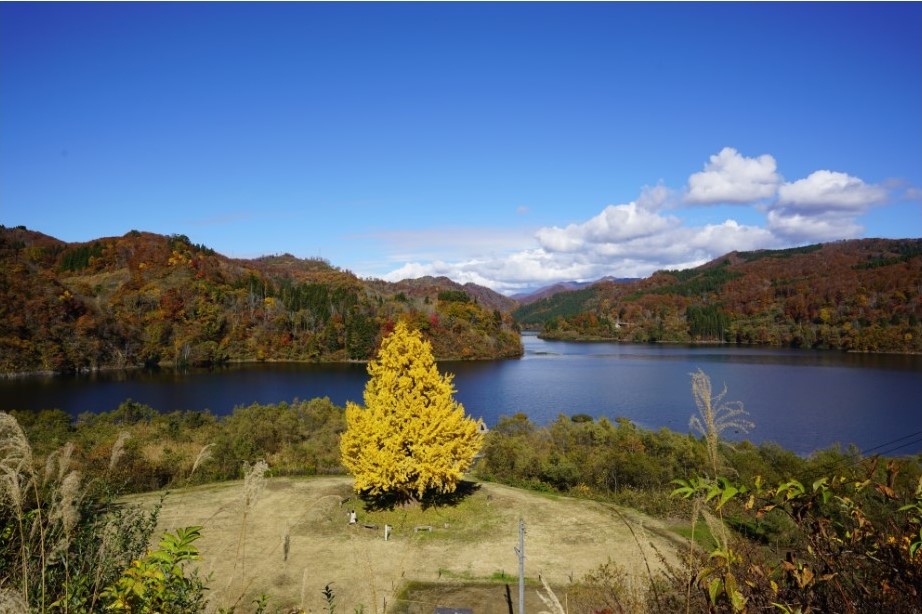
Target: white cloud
[718,239]
[731,178]
[676,246]
[614,223]
[655,198]
[524,269]
[824,206]
[829,190]
[799,228]
[623,241]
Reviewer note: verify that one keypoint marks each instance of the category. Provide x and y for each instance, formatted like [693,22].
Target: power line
[887,451]
[917,440]
[883,445]
[882,450]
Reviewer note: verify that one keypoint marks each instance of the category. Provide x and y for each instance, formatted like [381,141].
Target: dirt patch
[443,550]
[480,598]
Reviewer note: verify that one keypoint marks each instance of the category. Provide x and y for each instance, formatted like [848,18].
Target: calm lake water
[802,400]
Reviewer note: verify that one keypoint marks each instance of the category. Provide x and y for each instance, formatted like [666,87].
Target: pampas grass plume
[15,451]
[204,456]
[253,483]
[550,599]
[16,471]
[69,496]
[118,449]
[12,602]
[58,462]
[714,415]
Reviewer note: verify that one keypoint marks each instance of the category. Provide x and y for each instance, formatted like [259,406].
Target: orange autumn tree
[412,439]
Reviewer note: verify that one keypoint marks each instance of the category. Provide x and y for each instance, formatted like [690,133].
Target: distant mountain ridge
[484,296]
[146,299]
[856,295]
[524,298]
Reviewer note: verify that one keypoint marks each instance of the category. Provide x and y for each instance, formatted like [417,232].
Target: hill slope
[150,299]
[861,295]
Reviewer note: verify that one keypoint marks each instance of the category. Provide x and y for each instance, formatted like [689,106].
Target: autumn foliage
[861,295]
[411,438]
[148,299]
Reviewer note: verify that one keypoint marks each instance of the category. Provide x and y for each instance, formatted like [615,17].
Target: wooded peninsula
[145,299]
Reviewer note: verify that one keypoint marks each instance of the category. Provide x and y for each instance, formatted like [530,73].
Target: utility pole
[521,552]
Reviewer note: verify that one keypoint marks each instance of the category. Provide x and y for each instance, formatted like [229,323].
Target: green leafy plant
[857,548]
[914,514]
[330,598]
[159,582]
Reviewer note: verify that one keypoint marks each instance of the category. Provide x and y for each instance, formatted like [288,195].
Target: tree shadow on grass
[390,501]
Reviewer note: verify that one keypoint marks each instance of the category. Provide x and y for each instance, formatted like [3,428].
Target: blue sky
[509,144]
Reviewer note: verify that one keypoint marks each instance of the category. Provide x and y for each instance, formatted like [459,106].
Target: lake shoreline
[704,343]
[224,363]
[525,333]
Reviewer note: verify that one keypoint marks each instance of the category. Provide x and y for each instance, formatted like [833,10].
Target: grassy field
[454,556]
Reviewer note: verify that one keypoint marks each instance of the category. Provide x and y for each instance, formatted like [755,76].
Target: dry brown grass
[565,539]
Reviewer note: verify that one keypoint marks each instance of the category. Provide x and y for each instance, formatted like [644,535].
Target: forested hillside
[420,287]
[146,299]
[861,295]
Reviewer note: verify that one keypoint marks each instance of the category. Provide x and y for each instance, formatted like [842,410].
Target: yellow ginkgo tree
[412,439]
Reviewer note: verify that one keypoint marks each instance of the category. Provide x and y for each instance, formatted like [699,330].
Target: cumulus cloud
[732,178]
[655,198]
[616,223]
[824,206]
[799,228]
[829,190]
[718,239]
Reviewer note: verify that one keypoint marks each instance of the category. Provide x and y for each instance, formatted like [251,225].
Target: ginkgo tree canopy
[411,438]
